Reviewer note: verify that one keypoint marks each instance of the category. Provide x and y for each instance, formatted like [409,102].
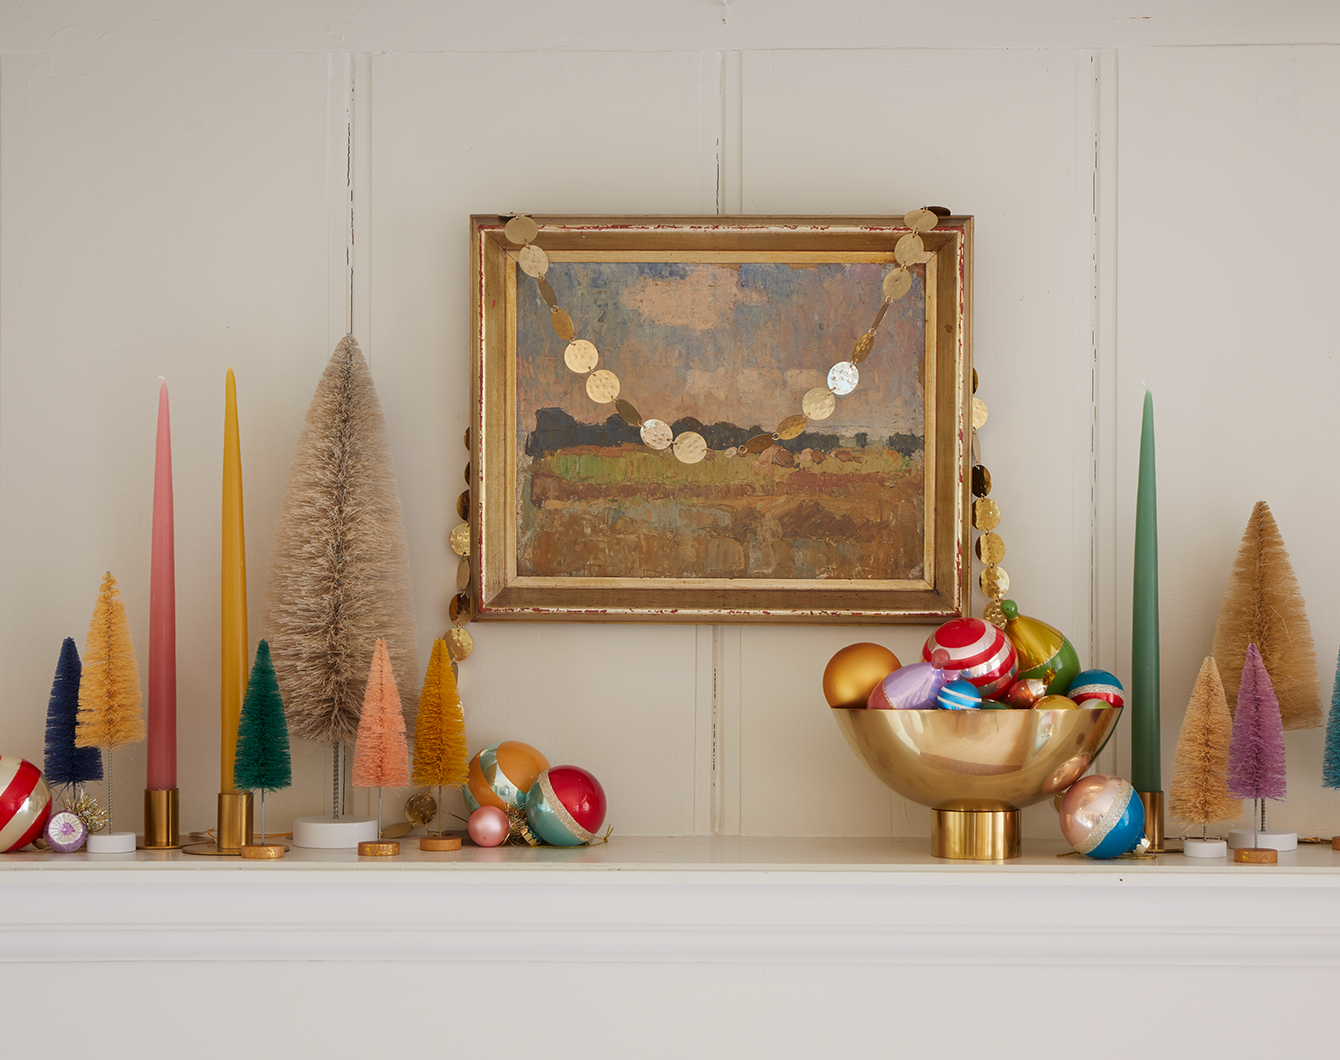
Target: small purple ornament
[65,832]
[914,687]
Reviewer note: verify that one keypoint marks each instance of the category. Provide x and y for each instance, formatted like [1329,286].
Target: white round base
[1204,848]
[326,833]
[1266,839]
[111,843]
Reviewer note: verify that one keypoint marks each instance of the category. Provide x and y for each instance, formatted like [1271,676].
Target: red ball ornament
[25,802]
[488,826]
[566,807]
[979,651]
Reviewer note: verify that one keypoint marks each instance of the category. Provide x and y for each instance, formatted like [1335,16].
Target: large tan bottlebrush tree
[1264,606]
[339,569]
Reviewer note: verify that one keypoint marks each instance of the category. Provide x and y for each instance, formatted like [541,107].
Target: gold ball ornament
[854,671]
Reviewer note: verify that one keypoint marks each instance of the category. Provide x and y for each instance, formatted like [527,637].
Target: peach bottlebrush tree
[1263,606]
[110,713]
[1199,790]
[381,755]
[440,755]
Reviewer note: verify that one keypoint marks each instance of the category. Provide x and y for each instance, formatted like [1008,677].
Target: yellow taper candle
[233,584]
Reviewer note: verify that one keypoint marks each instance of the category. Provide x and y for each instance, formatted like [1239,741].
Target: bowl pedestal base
[975,835]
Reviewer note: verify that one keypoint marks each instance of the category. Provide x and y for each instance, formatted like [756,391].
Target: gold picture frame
[720,325]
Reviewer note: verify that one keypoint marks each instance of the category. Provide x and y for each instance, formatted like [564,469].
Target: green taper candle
[1144,702]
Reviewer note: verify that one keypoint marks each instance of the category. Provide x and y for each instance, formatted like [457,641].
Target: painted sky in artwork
[739,343]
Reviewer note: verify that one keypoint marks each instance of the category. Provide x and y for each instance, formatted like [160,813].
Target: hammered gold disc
[922,220]
[563,325]
[974,380]
[981,480]
[863,346]
[990,548]
[690,447]
[463,576]
[819,403]
[757,443]
[976,449]
[656,434]
[602,387]
[994,614]
[630,415]
[467,474]
[985,514]
[908,250]
[459,643]
[521,229]
[879,315]
[581,356]
[460,539]
[979,414]
[547,293]
[463,504]
[896,284]
[459,610]
[995,582]
[790,427]
[533,260]
[467,439]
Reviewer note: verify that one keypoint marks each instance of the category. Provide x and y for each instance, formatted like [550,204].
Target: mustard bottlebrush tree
[339,568]
[110,714]
[1263,606]
[262,761]
[381,755]
[440,756]
[1199,789]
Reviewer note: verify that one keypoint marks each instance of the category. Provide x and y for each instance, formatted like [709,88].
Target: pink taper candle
[233,585]
[161,767]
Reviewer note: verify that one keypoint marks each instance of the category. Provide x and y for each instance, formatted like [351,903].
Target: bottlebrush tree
[1199,790]
[1330,768]
[440,755]
[262,761]
[1256,766]
[65,763]
[381,754]
[1264,606]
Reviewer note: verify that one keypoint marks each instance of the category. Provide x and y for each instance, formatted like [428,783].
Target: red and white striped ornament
[25,802]
[979,651]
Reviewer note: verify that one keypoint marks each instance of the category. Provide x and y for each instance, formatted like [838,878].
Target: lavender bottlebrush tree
[1256,767]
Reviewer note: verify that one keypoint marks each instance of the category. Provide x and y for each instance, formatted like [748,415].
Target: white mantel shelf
[654,900]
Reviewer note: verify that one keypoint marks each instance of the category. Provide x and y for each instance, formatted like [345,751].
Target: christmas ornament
[1096,684]
[979,651]
[65,832]
[854,671]
[25,802]
[1055,703]
[1043,650]
[914,687]
[566,807]
[488,826]
[959,695]
[1102,818]
[502,774]
[1025,692]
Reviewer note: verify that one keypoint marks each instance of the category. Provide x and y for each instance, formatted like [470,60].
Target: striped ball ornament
[566,807]
[979,651]
[1096,685]
[25,802]
[502,774]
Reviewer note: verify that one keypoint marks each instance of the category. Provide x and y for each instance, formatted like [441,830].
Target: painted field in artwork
[727,351]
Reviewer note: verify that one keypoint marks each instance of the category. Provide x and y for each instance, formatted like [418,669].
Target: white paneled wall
[175,190]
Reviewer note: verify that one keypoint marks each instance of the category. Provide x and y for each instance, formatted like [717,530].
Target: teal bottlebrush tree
[339,566]
[262,761]
[1330,766]
[1256,765]
[64,763]
[381,754]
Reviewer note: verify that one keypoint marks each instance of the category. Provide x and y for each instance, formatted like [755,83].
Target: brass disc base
[1256,856]
[975,835]
[379,848]
[440,842]
[1153,804]
[263,851]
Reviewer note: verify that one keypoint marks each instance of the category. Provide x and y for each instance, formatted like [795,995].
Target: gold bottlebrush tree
[109,714]
[1199,790]
[339,568]
[1263,606]
[440,755]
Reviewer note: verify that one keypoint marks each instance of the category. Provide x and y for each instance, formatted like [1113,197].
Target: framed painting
[720,419]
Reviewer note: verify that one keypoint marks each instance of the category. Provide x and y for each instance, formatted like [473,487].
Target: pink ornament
[1102,817]
[489,826]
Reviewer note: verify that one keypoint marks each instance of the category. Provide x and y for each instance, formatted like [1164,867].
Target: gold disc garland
[990,549]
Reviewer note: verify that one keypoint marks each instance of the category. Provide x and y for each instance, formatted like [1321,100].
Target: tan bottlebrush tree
[339,569]
[1199,790]
[1263,606]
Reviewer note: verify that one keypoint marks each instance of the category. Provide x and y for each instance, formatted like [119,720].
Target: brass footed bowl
[977,759]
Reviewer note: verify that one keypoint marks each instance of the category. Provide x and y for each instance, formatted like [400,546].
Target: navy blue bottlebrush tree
[66,765]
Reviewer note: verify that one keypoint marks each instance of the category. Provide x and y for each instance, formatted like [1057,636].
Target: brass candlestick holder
[161,831]
[234,828]
[1153,804]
